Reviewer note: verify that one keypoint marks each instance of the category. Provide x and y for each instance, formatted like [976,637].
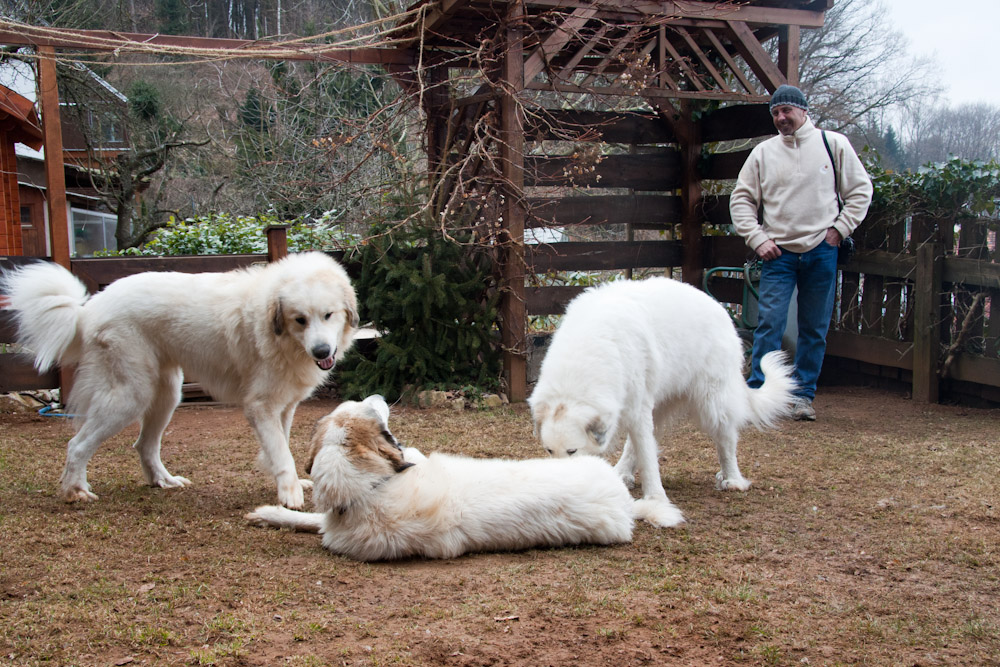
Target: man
[804,217]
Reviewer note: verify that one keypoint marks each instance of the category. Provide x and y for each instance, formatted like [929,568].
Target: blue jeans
[815,274]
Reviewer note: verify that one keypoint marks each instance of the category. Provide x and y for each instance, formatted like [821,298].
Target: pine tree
[434,301]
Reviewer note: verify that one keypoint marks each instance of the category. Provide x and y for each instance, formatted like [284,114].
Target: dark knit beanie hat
[789,95]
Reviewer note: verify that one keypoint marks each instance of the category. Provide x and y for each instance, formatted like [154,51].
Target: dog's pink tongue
[325,364]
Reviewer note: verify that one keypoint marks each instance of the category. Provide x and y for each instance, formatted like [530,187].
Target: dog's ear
[350,324]
[403,465]
[539,413]
[277,317]
[598,431]
[316,442]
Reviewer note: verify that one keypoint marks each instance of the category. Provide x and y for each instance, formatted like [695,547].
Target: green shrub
[434,300]
[226,234]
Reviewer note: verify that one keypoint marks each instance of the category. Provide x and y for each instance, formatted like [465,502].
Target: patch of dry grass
[869,537]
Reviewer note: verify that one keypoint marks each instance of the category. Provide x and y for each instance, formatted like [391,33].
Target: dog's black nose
[321,351]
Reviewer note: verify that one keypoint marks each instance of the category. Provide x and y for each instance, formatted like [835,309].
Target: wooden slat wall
[903,305]
[650,168]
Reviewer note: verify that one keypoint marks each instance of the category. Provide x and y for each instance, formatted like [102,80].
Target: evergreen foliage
[226,234]
[434,300]
[953,188]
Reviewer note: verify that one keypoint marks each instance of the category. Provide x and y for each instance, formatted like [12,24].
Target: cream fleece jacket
[790,177]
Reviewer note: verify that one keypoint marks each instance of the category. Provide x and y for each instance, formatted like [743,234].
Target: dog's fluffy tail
[276,516]
[660,513]
[47,301]
[772,400]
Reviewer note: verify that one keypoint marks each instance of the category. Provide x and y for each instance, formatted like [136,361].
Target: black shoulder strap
[836,180]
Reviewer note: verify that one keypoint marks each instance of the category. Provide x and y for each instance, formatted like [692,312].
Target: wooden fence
[919,307]
[916,305]
[918,317]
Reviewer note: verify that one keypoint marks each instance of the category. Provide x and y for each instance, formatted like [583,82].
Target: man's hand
[833,237]
[769,250]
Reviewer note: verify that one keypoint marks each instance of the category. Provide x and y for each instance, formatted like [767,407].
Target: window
[92,231]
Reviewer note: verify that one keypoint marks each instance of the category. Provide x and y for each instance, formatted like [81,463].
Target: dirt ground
[869,537]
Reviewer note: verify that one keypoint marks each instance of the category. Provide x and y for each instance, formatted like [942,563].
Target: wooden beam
[688,131]
[568,68]
[681,10]
[439,13]
[551,300]
[755,56]
[55,175]
[870,349]
[730,61]
[665,94]
[630,127]
[633,209]
[683,64]
[602,256]
[648,171]
[128,42]
[742,121]
[788,52]
[706,63]
[55,179]
[612,55]
[513,313]
[557,39]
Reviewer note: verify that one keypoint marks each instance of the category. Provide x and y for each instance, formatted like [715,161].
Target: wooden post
[55,175]
[926,329]
[513,313]
[688,133]
[55,179]
[789,37]
[277,242]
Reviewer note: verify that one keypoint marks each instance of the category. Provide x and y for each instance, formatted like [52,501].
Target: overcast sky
[962,36]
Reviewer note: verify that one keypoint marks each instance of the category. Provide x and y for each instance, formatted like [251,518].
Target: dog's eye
[328,316]
[301,320]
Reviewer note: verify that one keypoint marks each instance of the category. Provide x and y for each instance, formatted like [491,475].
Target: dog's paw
[77,494]
[258,516]
[627,477]
[170,482]
[306,484]
[731,484]
[660,513]
[291,495]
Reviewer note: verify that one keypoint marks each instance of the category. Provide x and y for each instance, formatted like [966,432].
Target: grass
[869,537]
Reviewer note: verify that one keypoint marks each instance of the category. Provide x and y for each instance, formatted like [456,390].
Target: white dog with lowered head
[263,337]
[628,358]
[380,501]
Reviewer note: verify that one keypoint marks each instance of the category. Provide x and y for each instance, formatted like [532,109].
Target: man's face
[787,118]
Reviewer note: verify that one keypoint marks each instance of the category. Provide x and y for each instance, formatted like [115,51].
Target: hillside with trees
[305,140]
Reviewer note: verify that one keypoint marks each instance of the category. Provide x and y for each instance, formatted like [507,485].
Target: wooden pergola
[534,58]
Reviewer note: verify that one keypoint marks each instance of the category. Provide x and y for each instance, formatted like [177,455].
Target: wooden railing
[931,316]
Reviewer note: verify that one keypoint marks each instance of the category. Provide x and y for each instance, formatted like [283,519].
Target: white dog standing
[378,501]
[628,358]
[263,337]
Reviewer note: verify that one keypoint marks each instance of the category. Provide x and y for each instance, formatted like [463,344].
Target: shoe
[803,410]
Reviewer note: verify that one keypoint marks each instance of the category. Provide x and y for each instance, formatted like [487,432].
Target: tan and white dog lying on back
[379,501]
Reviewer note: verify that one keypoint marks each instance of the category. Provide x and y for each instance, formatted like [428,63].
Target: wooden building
[18,124]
